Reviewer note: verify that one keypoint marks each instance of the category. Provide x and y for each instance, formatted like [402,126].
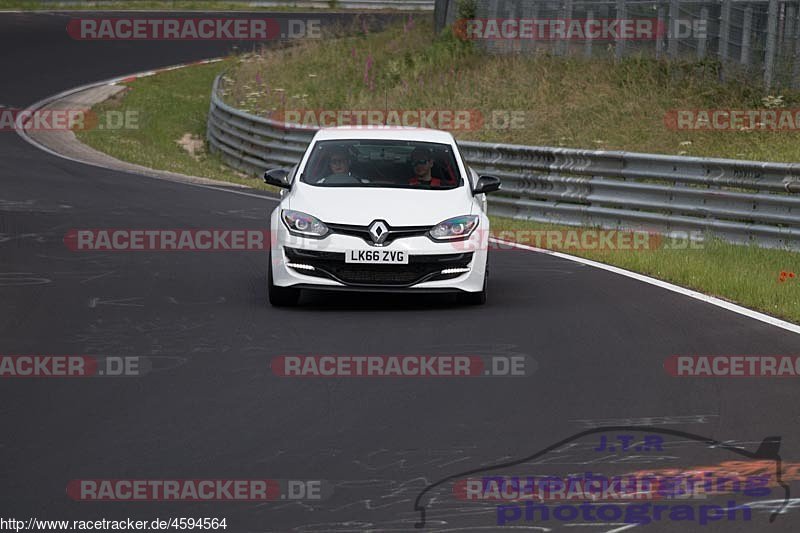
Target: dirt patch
[193,144]
[115,100]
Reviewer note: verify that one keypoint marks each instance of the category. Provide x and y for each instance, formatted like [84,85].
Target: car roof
[396,133]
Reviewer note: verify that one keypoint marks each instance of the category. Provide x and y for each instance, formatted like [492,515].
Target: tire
[280,296]
[475,298]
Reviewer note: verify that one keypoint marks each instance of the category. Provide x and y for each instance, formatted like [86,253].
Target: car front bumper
[430,267]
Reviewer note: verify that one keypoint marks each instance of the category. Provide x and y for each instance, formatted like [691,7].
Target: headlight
[454,229]
[302,224]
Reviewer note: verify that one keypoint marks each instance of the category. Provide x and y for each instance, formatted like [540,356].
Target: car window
[382,163]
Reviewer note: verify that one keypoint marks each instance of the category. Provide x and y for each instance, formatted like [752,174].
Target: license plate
[377,257]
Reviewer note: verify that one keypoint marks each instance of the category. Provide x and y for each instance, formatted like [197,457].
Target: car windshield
[382,163]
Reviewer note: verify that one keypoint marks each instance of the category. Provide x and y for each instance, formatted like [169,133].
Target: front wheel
[475,298]
[280,296]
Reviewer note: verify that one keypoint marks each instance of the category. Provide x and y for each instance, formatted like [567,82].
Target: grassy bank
[139,5]
[560,101]
[170,111]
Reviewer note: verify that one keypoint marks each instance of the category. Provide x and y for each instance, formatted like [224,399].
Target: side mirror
[277,177]
[486,184]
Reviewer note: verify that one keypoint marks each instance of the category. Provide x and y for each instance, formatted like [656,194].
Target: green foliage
[566,100]
[466,9]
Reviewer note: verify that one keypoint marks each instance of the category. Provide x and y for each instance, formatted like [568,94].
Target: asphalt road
[212,409]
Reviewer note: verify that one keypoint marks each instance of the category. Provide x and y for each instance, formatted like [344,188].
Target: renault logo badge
[378,231]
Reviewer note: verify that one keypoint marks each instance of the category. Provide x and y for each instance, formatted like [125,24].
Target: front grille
[419,268]
[394,233]
[378,274]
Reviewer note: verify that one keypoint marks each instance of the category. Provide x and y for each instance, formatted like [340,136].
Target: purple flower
[409,24]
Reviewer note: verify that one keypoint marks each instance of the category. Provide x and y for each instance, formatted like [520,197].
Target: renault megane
[380,209]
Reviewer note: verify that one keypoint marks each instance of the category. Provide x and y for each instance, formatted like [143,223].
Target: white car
[384,209]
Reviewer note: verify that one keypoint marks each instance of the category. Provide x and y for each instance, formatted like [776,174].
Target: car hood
[362,205]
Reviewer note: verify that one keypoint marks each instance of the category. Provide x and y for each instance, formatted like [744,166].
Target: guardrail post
[491,44]
[512,45]
[674,15]
[702,38]
[621,15]
[772,34]
[724,39]
[528,12]
[724,30]
[747,30]
[796,66]
[440,15]
[566,14]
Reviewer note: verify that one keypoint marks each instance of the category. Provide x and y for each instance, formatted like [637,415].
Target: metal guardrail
[739,201]
[750,39]
[404,5]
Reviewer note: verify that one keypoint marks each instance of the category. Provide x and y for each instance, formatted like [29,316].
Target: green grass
[168,105]
[564,101]
[171,5]
[747,275]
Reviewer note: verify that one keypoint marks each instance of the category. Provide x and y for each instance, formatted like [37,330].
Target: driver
[339,162]
[422,163]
